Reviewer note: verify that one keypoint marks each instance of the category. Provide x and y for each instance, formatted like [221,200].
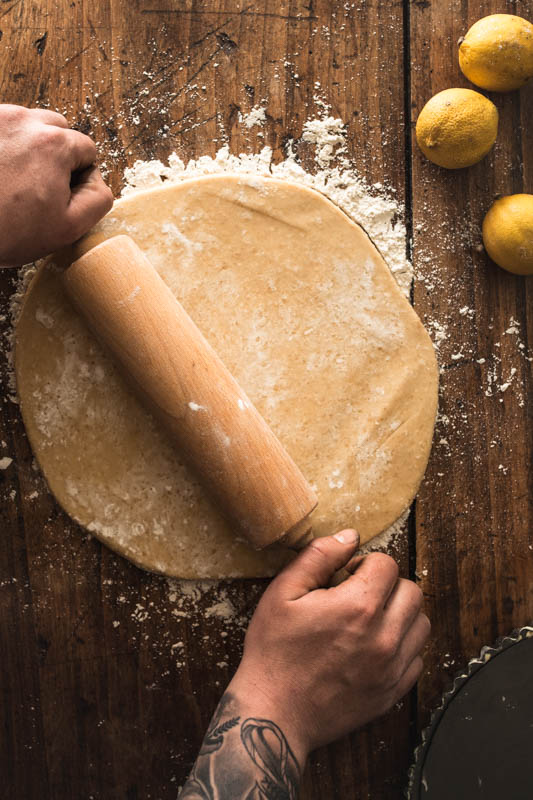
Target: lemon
[497,52]
[508,233]
[457,127]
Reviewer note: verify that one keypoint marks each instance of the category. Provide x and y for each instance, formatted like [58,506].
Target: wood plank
[100,697]
[475,512]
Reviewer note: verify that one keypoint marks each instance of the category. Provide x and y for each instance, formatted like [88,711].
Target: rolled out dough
[304,312]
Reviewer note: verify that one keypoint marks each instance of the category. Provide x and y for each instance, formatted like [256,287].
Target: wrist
[254,700]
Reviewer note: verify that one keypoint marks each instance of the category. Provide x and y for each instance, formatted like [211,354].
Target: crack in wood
[98,43]
[8,10]
[40,43]
[226,43]
[196,124]
[212,32]
[244,13]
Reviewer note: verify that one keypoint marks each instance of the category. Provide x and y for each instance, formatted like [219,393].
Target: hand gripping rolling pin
[180,378]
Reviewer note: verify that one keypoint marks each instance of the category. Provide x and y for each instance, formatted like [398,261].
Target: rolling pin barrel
[178,375]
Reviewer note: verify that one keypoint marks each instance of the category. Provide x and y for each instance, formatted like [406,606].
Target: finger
[404,604]
[90,200]
[315,565]
[376,575]
[409,678]
[82,150]
[49,117]
[414,641]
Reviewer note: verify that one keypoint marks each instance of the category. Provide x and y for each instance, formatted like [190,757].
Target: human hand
[322,662]
[50,191]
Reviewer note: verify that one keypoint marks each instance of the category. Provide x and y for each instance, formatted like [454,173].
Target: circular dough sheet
[304,312]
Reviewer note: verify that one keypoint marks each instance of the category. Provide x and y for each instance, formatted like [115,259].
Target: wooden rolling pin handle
[178,375]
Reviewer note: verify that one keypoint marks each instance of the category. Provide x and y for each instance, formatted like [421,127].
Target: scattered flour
[372,207]
[26,273]
[386,541]
[223,609]
[257,116]
[328,136]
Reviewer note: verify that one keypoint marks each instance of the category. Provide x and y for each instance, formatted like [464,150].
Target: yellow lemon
[497,52]
[457,127]
[508,233]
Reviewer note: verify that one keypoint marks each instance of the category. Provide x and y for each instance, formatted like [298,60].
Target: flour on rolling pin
[131,297]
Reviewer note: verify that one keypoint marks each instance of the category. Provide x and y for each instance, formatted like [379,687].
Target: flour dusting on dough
[371,206]
[335,178]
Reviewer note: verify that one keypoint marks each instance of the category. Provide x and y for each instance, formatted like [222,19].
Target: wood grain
[475,511]
[109,674]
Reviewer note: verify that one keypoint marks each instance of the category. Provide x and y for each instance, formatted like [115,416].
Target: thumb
[316,564]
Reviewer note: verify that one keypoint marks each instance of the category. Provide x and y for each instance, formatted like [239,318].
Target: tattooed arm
[243,757]
[317,664]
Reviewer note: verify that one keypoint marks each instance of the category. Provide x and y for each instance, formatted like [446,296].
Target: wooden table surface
[108,674]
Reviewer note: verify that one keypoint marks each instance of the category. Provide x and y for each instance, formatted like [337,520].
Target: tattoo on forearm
[251,760]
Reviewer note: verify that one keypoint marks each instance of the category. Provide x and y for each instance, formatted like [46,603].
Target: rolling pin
[180,378]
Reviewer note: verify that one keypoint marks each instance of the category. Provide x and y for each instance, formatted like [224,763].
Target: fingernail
[346,537]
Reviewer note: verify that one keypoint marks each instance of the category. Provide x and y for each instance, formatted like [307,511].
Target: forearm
[246,753]
[317,663]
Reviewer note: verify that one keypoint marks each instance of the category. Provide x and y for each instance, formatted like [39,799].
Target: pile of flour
[373,208]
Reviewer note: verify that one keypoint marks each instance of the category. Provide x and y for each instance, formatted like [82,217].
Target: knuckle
[51,136]
[413,673]
[388,701]
[384,562]
[418,666]
[88,143]
[271,598]
[265,608]
[364,609]
[77,227]
[319,550]
[385,647]
[411,594]
[107,198]
[13,112]
[416,595]
[60,119]
[426,626]
[394,674]
[70,228]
